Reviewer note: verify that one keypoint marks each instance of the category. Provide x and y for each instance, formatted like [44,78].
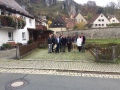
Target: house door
[35,36]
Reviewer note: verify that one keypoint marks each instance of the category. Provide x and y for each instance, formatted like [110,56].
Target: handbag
[55,46]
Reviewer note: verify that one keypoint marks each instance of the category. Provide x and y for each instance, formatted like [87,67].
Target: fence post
[96,52]
[17,53]
[113,52]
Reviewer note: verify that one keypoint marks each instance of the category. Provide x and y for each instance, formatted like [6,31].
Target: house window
[102,24]
[99,20]
[113,20]
[95,24]
[24,18]
[30,21]
[10,36]
[82,20]
[79,20]
[23,36]
[102,19]
[101,15]
[2,12]
[99,24]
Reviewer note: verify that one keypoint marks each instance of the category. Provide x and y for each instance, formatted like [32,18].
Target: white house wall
[18,32]
[80,18]
[0,11]
[101,24]
[114,20]
[3,36]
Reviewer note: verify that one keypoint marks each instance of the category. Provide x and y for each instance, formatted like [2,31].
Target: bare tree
[110,7]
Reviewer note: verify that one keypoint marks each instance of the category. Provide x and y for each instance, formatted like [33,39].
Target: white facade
[100,22]
[79,18]
[22,35]
[9,34]
[114,20]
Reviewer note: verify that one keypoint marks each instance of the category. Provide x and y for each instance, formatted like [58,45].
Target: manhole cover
[17,84]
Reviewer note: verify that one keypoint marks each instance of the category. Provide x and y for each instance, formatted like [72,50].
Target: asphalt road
[52,82]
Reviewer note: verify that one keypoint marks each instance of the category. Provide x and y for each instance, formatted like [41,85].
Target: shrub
[19,44]
[90,45]
[6,46]
[30,41]
[113,24]
[80,25]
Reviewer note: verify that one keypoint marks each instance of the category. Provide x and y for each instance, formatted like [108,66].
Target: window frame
[23,36]
[10,36]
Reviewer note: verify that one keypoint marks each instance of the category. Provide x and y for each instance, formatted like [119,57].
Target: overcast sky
[98,2]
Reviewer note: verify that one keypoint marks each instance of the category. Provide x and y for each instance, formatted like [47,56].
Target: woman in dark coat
[69,41]
[63,43]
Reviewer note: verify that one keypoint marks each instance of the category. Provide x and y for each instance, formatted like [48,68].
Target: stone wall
[102,33]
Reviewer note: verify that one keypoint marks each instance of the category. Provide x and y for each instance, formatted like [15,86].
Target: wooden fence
[107,53]
[25,49]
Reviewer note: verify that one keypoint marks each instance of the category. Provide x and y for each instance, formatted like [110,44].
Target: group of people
[58,43]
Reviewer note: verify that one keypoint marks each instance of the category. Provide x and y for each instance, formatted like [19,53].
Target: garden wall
[101,33]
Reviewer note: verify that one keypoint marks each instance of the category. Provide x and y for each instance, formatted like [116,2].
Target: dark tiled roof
[111,16]
[12,5]
[93,19]
[58,22]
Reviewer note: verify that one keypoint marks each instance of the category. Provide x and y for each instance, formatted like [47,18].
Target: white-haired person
[79,43]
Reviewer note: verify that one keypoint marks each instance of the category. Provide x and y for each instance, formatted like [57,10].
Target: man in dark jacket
[74,41]
[63,43]
[60,46]
[69,40]
[53,42]
[83,42]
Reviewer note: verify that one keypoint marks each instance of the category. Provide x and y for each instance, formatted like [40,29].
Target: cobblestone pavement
[76,68]
[8,54]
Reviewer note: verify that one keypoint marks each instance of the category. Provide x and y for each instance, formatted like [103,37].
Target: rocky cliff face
[46,2]
[71,7]
[35,1]
[49,2]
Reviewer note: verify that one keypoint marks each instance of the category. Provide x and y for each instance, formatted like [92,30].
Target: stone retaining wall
[101,33]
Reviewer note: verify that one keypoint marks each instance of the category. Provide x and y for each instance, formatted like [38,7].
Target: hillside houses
[101,21]
[113,19]
[79,18]
[68,22]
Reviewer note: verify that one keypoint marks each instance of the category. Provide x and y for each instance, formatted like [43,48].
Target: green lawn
[104,41]
[42,54]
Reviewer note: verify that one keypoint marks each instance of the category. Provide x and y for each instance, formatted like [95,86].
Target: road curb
[73,71]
